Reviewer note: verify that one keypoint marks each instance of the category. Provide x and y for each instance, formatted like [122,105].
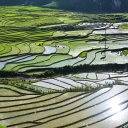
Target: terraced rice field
[35,43]
[94,109]
[24,43]
[63,54]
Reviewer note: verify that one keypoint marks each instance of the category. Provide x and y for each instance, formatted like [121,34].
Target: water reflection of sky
[114,104]
[116,112]
[117,106]
[120,115]
[116,120]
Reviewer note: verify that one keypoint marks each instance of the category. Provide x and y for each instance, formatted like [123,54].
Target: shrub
[125,52]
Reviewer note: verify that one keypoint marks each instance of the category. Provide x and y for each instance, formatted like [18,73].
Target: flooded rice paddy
[106,107]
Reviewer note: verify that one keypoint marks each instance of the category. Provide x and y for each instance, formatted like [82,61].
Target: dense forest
[75,5]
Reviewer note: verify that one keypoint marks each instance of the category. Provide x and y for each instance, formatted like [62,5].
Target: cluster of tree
[4,74]
[67,70]
[79,69]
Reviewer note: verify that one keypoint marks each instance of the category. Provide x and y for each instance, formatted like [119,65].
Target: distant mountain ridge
[75,5]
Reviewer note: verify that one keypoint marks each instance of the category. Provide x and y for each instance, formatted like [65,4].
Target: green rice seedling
[36,48]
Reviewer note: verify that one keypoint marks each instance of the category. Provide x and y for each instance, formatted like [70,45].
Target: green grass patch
[83,54]
[2,126]
[124,26]
[39,43]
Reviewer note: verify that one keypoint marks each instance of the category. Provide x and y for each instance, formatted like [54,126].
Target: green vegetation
[2,126]
[83,54]
[125,126]
[125,52]
[24,85]
[26,30]
[101,6]
[45,37]
[124,26]
[29,16]
[39,43]
[96,38]
[78,33]
[39,46]
[89,87]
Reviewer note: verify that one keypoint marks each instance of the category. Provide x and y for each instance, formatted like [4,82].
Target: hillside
[63,69]
[75,5]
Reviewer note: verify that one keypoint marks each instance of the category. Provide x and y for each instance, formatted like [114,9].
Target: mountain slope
[76,5]
[94,5]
